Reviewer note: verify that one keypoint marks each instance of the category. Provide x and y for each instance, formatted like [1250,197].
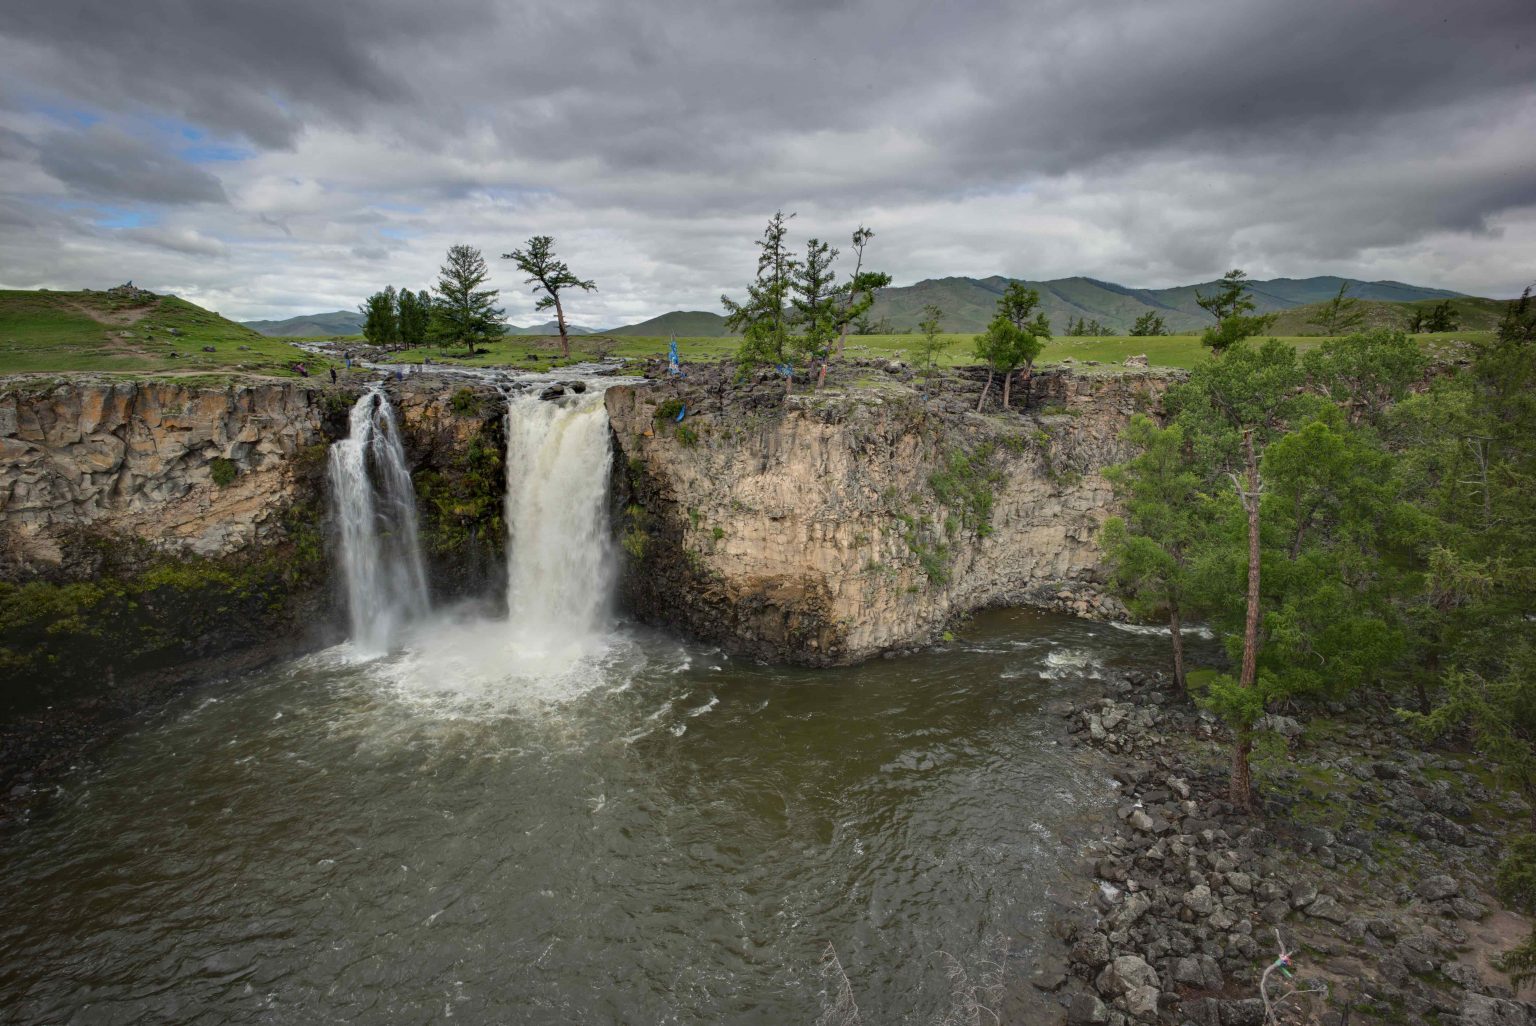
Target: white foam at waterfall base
[557,642]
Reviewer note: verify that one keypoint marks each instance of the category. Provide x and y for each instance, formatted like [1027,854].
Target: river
[659,834]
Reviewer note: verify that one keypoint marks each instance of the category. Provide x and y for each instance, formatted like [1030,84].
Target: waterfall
[560,564]
[375,509]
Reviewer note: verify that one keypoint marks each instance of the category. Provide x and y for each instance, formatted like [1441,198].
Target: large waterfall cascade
[560,562]
[375,509]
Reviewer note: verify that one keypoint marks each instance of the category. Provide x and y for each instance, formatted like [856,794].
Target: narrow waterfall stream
[375,507]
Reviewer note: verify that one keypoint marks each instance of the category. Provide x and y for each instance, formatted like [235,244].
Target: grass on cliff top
[533,353]
[111,332]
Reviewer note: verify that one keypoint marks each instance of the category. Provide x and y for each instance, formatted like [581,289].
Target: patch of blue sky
[122,217]
[214,152]
[394,233]
[75,117]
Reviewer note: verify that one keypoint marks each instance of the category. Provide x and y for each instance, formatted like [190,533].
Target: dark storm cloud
[1160,139]
[108,164]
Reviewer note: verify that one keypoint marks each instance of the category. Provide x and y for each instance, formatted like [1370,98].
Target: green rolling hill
[682,323]
[336,322]
[136,332]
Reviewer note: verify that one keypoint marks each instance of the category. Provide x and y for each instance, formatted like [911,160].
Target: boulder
[1087,1010]
[1124,974]
[1139,360]
[1437,888]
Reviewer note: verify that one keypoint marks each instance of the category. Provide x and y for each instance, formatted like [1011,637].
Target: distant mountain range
[969,303]
[345,322]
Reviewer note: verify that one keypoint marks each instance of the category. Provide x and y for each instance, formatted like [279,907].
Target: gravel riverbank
[1371,863]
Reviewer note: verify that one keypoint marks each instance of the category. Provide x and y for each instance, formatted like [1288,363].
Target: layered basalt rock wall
[826,528]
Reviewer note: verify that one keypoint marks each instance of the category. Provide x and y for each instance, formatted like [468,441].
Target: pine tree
[415,313]
[763,319]
[1149,323]
[1341,314]
[814,298]
[463,313]
[1232,307]
[381,325]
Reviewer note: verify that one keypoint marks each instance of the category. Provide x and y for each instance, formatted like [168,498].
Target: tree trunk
[565,342]
[1007,380]
[821,375]
[1251,624]
[1241,784]
[984,389]
[1242,780]
[1176,631]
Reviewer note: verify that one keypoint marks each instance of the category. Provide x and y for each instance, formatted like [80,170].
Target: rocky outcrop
[199,470]
[825,528]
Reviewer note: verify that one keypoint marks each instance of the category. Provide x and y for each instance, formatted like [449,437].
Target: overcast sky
[274,157]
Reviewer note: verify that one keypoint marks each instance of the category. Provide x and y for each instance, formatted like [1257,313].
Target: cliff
[827,528]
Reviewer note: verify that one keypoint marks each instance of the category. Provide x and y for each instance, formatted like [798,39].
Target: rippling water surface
[642,832]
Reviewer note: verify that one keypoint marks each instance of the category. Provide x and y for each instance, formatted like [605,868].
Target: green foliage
[463,313]
[1341,314]
[381,320]
[686,436]
[763,319]
[1149,323]
[1232,307]
[1440,318]
[814,299]
[465,403]
[413,312]
[967,485]
[550,276]
[930,343]
[668,409]
[464,503]
[223,470]
[1366,373]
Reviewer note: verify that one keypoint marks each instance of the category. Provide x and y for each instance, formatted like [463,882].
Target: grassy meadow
[534,353]
[60,332]
[112,332]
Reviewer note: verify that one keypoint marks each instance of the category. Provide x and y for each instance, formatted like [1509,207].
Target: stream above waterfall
[654,833]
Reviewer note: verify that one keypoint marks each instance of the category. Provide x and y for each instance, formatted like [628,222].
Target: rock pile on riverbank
[1371,861]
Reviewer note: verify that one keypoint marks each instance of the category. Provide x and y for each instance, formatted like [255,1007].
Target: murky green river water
[659,835]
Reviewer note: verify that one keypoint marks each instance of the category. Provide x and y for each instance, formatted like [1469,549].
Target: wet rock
[552,392]
[1087,1010]
[1092,950]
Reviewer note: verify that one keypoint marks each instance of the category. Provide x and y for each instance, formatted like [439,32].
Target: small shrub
[669,409]
[687,436]
[465,403]
[224,471]
[718,532]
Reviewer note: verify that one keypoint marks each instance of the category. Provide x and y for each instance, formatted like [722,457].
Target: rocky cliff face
[205,471]
[827,528]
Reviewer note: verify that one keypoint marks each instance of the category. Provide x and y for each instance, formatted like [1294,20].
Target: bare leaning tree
[550,276]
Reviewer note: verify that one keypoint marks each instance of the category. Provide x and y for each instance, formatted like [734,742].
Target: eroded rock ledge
[826,528]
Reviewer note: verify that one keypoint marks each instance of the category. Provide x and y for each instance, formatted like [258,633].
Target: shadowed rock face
[826,528]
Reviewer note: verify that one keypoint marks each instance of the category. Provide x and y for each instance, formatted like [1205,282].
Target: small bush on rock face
[669,409]
[465,403]
[223,470]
